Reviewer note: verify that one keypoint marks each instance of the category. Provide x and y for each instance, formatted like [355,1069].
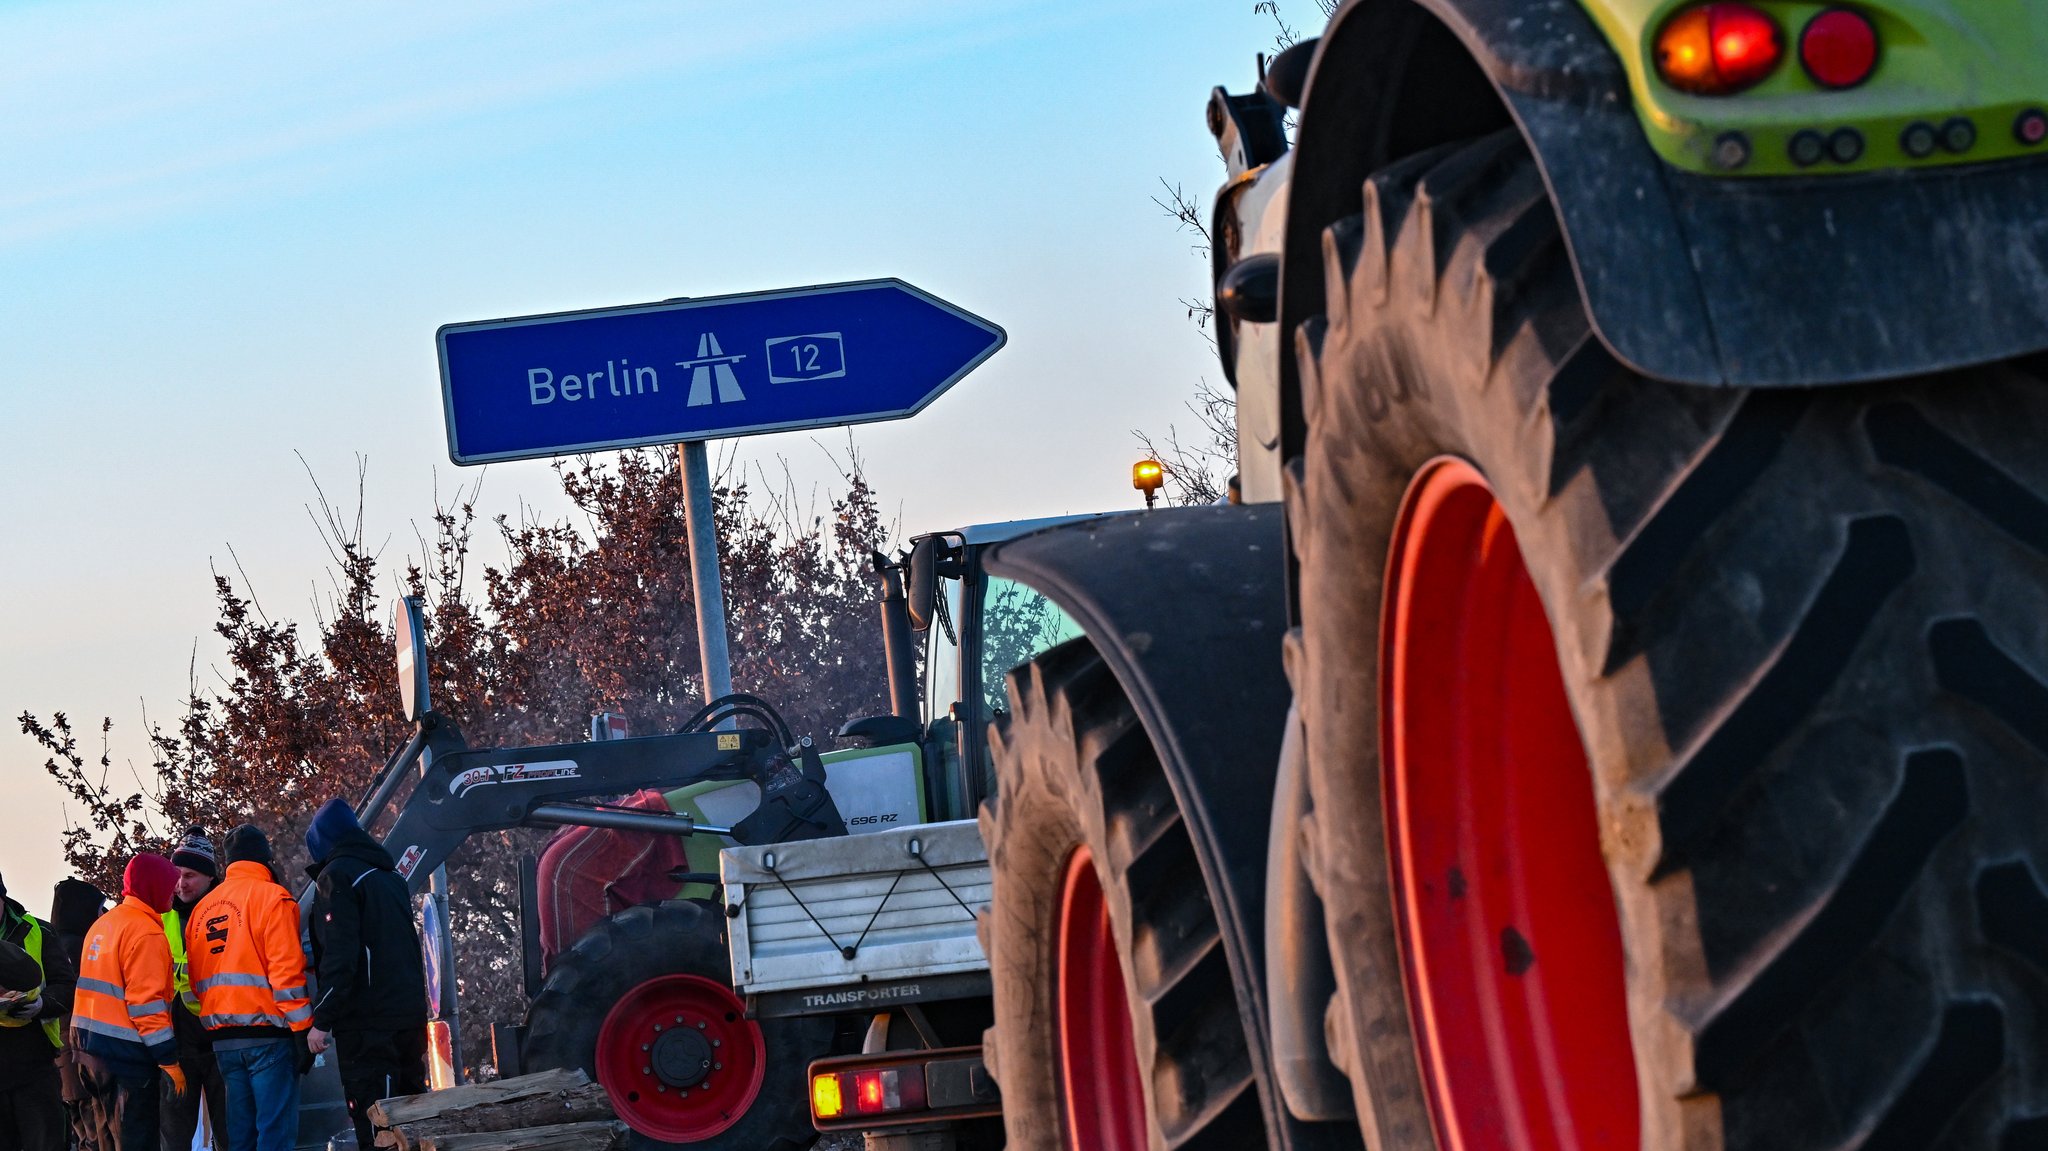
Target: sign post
[701,522]
[690,370]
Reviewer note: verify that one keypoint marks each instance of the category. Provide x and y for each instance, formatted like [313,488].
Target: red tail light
[1719,48]
[1839,48]
[888,1090]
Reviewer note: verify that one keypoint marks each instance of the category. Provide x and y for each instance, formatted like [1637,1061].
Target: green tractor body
[1756,237]
[1970,67]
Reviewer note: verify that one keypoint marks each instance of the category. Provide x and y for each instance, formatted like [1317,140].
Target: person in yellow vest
[32,1113]
[198,874]
[247,966]
[121,1014]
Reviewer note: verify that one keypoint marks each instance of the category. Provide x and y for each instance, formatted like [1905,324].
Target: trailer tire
[1099,903]
[1800,638]
[670,950]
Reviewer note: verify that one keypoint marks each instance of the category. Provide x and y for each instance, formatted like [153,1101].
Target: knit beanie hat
[334,820]
[246,844]
[152,879]
[196,852]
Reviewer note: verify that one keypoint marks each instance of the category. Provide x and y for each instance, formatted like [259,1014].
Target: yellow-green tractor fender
[1777,270]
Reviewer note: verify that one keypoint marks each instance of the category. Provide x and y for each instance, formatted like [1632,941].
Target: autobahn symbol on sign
[537,386]
[713,364]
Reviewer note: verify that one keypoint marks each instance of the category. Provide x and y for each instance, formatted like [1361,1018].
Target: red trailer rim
[1510,947]
[1102,1093]
[680,1059]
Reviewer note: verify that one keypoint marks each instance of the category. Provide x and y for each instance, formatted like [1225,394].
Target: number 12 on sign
[800,359]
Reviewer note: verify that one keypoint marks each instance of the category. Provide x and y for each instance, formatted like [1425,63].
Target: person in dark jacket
[372,998]
[32,1115]
[198,873]
[74,907]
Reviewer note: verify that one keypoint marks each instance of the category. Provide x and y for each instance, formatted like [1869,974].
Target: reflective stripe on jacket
[242,945]
[123,1004]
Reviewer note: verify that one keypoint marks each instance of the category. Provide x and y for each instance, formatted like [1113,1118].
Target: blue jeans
[263,1096]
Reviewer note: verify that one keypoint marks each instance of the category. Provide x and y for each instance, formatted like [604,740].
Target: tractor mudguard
[1207,684]
[1755,282]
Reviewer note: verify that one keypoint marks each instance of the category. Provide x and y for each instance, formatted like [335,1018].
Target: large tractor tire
[644,1004]
[1676,754]
[1116,1026]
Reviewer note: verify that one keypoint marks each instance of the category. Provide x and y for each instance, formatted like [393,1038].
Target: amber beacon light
[1718,49]
[1146,476]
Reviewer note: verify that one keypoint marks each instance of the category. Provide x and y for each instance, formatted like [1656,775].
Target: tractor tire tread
[1075,767]
[1799,631]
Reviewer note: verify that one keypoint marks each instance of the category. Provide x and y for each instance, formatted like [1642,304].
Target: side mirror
[408,620]
[921,581]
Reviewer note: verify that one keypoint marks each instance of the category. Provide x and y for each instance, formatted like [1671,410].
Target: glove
[22,1010]
[302,1052]
[176,1075]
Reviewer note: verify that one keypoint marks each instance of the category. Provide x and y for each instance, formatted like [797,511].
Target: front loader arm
[462,791]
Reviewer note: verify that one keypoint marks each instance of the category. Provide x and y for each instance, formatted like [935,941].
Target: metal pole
[448,1009]
[702,524]
[649,822]
[896,646]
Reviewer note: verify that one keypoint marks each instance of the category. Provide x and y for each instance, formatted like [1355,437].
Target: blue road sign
[700,369]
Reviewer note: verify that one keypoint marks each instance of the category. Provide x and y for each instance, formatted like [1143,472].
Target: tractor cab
[971,629]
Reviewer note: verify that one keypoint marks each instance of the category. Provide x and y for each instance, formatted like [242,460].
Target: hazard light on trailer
[902,1088]
[828,1101]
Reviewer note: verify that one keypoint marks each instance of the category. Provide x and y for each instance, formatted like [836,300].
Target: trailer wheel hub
[680,1059]
[1510,947]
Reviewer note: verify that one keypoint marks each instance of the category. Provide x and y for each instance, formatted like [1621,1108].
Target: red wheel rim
[1099,1084]
[1510,947]
[653,1051]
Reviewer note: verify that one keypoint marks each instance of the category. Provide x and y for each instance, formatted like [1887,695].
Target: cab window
[1017,626]
[942,654]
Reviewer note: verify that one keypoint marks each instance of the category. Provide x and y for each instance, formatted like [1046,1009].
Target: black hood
[77,904]
[356,844]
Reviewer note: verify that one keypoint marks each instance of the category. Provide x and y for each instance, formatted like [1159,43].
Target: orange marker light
[826,1100]
[1718,49]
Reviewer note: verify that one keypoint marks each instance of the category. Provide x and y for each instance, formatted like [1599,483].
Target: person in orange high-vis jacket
[242,947]
[121,1015]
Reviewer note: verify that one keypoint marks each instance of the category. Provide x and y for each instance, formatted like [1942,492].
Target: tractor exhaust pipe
[896,642]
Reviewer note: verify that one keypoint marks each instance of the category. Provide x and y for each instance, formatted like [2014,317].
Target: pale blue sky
[228,231]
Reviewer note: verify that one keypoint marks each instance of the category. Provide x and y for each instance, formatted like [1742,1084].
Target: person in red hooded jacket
[121,1014]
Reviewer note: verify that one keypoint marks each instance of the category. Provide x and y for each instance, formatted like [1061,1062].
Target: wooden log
[584,1104]
[547,1099]
[609,1136]
[402,1109]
